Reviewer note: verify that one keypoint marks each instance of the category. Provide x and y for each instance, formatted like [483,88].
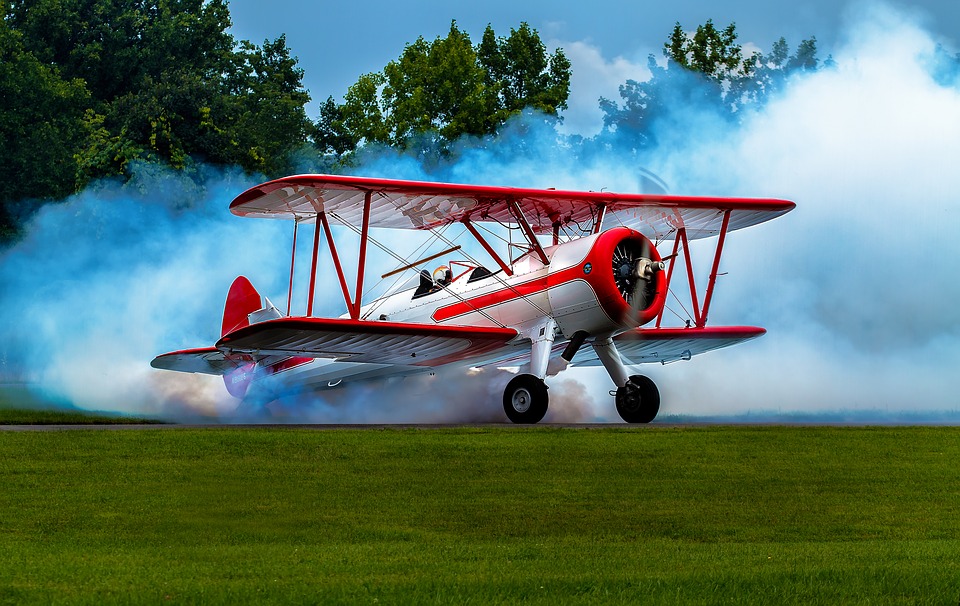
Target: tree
[771,71]
[40,131]
[167,83]
[437,92]
[710,52]
[330,135]
[528,77]
[705,72]
[436,88]
[361,114]
[262,118]
[114,46]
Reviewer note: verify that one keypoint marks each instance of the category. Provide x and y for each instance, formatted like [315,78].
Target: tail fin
[242,300]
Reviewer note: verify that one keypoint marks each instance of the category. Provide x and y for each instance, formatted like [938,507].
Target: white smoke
[857,285]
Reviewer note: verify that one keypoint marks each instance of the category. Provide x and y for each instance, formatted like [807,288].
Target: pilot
[442,275]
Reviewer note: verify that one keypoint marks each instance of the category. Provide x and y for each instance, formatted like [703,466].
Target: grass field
[777,515]
[19,405]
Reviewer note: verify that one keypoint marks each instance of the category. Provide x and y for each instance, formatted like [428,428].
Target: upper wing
[642,345]
[424,205]
[371,342]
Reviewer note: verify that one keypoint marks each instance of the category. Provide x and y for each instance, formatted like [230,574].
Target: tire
[639,400]
[525,399]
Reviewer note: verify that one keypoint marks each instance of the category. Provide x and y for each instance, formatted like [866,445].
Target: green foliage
[437,92]
[528,77]
[436,87]
[109,83]
[51,416]
[361,113]
[711,52]
[705,72]
[115,46]
[259,119]
[760,515]
[41,115]
[331,135]
[771,71]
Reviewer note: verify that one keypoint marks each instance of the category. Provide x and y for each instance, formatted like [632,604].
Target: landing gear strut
[638,401]
[525,399]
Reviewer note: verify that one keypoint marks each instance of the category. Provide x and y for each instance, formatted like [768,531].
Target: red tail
[242,300]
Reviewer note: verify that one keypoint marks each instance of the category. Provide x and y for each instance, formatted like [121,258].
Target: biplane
[584,284]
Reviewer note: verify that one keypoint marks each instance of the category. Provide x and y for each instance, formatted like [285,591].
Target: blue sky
[607,42]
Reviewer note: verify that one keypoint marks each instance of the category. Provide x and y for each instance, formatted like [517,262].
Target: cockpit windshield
[443,276]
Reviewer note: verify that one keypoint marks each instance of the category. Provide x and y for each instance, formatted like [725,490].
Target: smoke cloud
[111,277]
[857,287]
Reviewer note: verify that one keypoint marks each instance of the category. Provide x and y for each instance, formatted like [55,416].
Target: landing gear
[525,399]
[638,401]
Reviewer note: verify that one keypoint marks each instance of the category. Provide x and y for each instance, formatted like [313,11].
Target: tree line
[89,88]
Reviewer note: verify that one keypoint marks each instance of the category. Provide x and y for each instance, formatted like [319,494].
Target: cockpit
[443,276]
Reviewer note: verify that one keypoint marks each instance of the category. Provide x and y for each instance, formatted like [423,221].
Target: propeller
[633,272]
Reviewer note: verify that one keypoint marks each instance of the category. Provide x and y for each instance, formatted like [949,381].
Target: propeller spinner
[633,272]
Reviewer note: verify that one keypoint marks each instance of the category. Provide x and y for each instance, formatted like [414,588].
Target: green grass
[52,416]
[20,406]
[491,515]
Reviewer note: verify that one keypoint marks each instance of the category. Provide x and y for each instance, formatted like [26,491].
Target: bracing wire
[376,243]
[500,279]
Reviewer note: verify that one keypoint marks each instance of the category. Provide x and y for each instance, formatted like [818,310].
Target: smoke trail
[115,275]
[856,286]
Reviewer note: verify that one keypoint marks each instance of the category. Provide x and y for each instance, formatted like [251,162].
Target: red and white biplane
[601,283]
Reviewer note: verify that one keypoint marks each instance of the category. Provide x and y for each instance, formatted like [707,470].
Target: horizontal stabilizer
[204,360]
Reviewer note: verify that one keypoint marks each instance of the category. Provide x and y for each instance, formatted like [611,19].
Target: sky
[856,287]
[606,41]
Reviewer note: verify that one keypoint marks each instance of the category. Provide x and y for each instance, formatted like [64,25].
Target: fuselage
[577,288]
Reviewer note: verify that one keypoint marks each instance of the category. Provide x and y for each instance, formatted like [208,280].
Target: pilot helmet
[442,275]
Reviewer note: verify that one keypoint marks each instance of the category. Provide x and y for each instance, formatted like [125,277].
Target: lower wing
[375,342]
[643,345]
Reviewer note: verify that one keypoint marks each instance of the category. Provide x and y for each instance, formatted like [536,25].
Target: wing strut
[336,261]
[486,246]
[353,304]
[713,272]
[364,232]
[313,266]
[601,215]
[699,316]
[528,231]
[293,258]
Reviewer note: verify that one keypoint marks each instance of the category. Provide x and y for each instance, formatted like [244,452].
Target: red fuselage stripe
[504,295]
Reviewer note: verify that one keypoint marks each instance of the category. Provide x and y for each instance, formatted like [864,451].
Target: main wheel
[525,399]
[639,400]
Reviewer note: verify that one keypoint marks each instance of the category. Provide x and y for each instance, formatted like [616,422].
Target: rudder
[242,300]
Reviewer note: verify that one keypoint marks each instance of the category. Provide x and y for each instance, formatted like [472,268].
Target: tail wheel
[639,400]
[525,399]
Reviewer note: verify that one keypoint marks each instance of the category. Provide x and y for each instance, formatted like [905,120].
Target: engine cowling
[619,283]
